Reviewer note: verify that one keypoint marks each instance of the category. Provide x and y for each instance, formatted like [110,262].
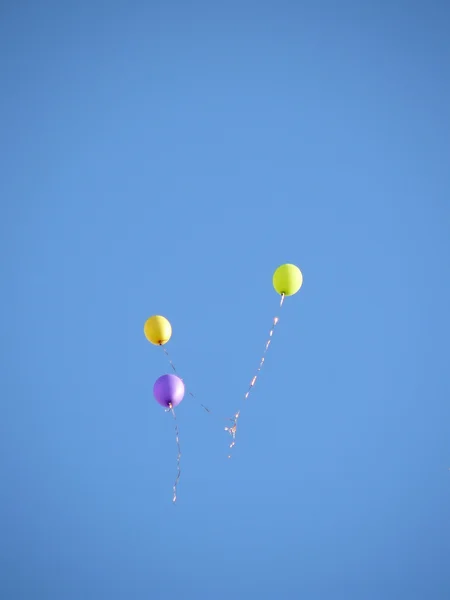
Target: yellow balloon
[287,280]
[157,330]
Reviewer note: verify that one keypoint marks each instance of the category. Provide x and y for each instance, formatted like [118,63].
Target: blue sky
[165,158]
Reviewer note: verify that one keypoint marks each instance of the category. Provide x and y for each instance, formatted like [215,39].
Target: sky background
[165,158]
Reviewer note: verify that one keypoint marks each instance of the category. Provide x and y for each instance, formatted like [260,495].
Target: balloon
[157,330]
[287,280]
[168,389]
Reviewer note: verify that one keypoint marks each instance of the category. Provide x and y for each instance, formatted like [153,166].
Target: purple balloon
[168,389]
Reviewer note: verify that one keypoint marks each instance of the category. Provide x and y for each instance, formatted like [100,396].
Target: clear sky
[165,158]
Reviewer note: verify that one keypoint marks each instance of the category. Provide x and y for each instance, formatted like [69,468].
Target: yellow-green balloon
[157,330]
[287,280]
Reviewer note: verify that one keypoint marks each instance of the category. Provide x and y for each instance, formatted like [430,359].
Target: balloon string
[190,393]
[176,372]
[232,430]
[177,439]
